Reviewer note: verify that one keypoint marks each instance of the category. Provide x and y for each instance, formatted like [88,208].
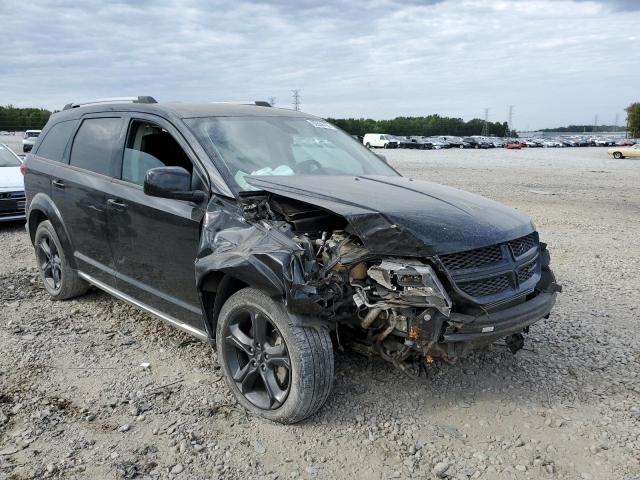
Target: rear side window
[55,142]
[94,144]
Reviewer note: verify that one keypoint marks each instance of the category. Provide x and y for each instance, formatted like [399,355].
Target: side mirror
[171,182]
[381,157]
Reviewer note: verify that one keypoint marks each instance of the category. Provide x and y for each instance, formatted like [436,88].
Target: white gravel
[75,401]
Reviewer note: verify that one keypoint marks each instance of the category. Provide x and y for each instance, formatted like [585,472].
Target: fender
[42,204]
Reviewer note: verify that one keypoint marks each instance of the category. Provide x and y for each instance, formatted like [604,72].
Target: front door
[155,240]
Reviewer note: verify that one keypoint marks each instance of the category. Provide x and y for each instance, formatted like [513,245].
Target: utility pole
[485,127]
[510,121]
[272,101]
[296,99]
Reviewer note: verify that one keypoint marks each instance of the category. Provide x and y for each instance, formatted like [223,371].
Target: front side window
[283,146]
[7,158]
[150,146]
[55,142]
[94,144]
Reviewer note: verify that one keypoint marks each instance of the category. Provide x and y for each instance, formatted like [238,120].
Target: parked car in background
[476,142]
[380,140]
[423,143]
[29,139]
[513,146]
[626,142]
[625,152]
[454,142]
[12,199]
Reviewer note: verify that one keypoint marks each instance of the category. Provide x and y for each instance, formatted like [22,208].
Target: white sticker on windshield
[321,124]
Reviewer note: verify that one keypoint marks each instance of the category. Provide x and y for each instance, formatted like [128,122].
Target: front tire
[617,155]
[276,368]
[60,280]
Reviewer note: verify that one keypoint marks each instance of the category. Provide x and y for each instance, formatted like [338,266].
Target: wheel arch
[42,208]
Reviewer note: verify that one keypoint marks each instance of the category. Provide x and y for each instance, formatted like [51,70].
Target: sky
[557,62]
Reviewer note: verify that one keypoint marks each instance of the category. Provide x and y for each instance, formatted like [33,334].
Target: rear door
[155,240]
[78,190]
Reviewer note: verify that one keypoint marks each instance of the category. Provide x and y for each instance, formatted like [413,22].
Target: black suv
[266,232]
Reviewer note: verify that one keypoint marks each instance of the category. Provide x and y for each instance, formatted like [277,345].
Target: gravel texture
[93,388]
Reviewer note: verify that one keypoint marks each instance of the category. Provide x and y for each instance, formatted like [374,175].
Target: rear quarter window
[55,141]
[94,144]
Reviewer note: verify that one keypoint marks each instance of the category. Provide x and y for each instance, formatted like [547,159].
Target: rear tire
[285,390]
[617,155]
[60,280]
[368,145]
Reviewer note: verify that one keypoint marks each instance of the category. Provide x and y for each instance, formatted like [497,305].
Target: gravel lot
[75,401]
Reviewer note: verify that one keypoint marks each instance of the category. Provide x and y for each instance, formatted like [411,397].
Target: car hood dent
[403,216]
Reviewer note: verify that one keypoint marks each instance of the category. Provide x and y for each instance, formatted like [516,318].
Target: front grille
[526,272]
[472,258]
[522,245]
[496,272]
[11,195]
[11,204]
[486,286]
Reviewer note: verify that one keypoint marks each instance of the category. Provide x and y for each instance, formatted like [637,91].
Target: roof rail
[138,99]
[259,103]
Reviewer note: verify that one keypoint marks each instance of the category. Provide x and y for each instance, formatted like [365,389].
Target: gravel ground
[93,388]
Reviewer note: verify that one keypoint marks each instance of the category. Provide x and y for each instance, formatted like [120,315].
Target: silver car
[12,197]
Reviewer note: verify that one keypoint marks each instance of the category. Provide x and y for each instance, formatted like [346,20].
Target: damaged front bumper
[465,332]
[488,327]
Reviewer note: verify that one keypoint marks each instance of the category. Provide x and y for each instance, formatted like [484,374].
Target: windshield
[284,146]
[31,134]
[7,158]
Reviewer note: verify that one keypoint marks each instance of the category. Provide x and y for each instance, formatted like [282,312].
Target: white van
[380,140]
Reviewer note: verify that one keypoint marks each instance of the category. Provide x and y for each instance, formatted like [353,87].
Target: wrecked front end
[401,307]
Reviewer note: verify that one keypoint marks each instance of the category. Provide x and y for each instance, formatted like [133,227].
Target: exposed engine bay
[406,309]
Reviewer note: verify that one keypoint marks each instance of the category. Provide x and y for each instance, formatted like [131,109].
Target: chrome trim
[167,318]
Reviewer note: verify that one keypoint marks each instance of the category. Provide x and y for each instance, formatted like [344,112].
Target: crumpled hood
[403,216]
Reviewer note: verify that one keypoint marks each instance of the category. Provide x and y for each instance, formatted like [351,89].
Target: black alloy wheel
[49,262]
[257,358]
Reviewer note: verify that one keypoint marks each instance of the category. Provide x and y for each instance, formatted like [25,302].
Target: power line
[296,99]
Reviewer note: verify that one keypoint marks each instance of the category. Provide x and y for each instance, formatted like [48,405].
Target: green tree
[430,125]
[633,119]
[19,119]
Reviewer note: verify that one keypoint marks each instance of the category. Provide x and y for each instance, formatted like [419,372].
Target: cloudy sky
[556,61]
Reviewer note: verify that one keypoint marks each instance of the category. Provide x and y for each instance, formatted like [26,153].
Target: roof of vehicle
[32,131]
[184,110]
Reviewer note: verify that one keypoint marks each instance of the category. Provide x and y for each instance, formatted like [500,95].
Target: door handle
[58,183]
[116,204]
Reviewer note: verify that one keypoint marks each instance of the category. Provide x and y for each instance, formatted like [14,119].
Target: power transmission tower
[296,99]
[510,121]
[272,101]
[485,127]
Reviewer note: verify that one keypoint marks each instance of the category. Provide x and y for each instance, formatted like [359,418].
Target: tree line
[15,119]
[586,128]
[430,125]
